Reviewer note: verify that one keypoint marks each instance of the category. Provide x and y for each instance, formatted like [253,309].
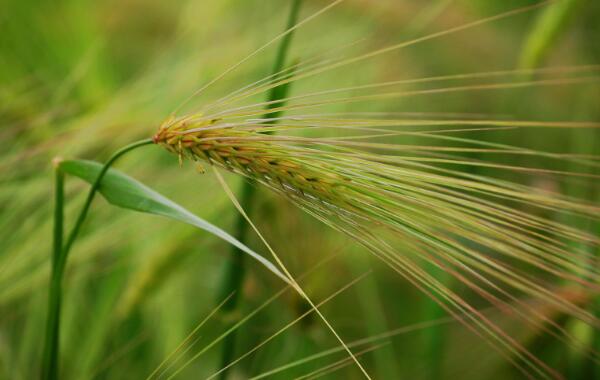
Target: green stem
[50,362]
[236,269]
[50,356]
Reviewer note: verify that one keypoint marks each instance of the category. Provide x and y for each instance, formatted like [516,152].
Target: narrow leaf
[123,191]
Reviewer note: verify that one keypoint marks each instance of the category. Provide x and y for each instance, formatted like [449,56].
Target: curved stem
[50,367]
[92,193]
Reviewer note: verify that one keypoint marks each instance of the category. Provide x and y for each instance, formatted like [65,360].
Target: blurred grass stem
[236,269]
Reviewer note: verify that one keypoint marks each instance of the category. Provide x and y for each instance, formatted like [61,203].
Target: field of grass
[420,179]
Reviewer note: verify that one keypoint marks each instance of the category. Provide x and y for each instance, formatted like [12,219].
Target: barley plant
[347,189]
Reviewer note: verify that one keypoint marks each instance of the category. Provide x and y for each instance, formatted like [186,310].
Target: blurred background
[83,78]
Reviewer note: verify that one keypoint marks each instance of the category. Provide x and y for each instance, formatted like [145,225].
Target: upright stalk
[50,362]
[50,356]
[236,269]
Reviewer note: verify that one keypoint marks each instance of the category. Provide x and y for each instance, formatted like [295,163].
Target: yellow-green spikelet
[245,152]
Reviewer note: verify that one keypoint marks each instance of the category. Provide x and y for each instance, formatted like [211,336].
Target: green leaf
[123,191]
[546,30]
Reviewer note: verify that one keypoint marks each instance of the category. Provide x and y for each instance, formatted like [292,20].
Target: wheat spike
[246,152]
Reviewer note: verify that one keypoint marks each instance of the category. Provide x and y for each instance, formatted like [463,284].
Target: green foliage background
[82,78]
